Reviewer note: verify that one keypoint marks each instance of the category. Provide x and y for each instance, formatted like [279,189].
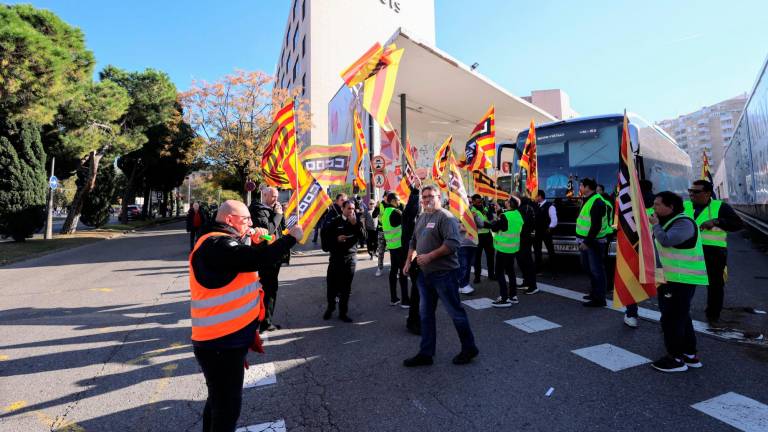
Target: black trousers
[341,271]
[397,261]
[525,261]
[268,278]
[716,258]
[371,242]
[223,371]
[192,239]
[675,306]
[485,244]
[544,237]
[505,266]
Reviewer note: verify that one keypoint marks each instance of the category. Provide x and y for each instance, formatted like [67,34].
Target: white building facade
[322,37]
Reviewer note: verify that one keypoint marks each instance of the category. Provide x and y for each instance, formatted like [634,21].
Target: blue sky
[657,58]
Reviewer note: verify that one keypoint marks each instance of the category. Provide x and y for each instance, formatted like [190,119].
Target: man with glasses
[227,304]
[434,245]
[715,220]
[268,214]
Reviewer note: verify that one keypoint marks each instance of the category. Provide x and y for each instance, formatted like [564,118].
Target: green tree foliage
[43,62]
[98,202]
[22,179]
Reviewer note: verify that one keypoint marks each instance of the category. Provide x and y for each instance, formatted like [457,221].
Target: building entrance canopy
[445,97]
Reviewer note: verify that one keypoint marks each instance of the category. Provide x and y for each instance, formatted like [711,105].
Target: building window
[303,9]
[295,67]
[287,37]
[295,38]
[303,84]
[287,62]
[303,46]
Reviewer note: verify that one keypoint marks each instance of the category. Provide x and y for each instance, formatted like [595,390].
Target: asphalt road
[97,339]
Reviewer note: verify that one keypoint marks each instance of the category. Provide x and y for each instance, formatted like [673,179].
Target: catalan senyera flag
[481,146]
[306,206]
[410,178]
[278,161]
[458,202]
[362,68]
[485,186]
[361,148]
[706,171]
[529,161]
[637,270]
[329,164]
[379,87]
[441,160]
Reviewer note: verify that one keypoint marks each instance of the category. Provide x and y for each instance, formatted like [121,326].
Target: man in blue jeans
[592,227]
[434,244]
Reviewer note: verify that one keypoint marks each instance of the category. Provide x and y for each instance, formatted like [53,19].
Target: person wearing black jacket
[524,257]
[216,264]
[410,214]
[485,238]
[268,214]
[340,237]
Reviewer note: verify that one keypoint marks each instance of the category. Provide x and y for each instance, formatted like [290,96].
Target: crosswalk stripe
[736,410]
[532,324]
[611,357]
[259,375]
[275,426]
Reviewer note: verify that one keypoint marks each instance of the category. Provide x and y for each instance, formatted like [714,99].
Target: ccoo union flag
[636,267]
[458,201]
[306,206]
[329,164]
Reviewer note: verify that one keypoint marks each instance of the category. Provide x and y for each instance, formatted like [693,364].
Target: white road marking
[351,342]
[260,375]
[736,410]
[275,426]
[479,303]
[611,357]
[532,324]
[549,392]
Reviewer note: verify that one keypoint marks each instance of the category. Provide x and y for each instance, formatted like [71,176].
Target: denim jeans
[466,259]
[592,260]
[445,286]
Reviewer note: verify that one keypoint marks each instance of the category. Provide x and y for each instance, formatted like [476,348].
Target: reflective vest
[584,221]
[508,241]
[393,235]
[711,237]
[481,215]
[222,311]
[683,265]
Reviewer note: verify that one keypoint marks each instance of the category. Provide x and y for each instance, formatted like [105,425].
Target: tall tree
[234,116]
[99,200]
[22,179]
[43,62]
[94,133]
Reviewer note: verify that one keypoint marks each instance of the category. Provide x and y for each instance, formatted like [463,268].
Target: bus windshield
[574,151]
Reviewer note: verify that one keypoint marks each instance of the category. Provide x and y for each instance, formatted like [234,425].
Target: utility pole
[49,219]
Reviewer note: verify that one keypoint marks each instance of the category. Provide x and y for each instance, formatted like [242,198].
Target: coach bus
[570,150]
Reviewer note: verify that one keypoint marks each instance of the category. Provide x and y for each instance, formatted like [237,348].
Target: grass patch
[13,251]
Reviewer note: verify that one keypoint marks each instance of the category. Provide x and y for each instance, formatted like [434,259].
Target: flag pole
[296,159]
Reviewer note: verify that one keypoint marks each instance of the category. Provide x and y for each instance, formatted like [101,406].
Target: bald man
[268,214]
[227,304]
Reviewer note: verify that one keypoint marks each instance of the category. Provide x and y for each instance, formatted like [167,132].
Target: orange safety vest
[222,311]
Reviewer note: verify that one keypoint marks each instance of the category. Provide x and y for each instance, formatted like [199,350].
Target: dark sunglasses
[695,191]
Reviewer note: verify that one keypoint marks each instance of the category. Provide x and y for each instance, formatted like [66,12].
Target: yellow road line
[148,355]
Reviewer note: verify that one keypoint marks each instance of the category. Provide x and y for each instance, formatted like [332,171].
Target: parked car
[133,211]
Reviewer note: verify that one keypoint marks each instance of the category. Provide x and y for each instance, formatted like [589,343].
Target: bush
[23,184]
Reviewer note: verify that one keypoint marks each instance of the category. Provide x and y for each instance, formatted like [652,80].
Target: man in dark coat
[268,214]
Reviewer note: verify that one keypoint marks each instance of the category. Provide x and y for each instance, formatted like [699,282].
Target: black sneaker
[418,360]
[514,300]
[501,303]
[328,313]
[594,304]
[533,290]
[587,297]
[346,318]
[273,327]
[669,364]
[692,361]
[465,357]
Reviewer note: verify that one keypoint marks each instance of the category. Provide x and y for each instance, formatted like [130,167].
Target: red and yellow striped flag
[441,160]
[379,87]
[636,266]
[361,148]
[529,161]
[279,159]
[485,186]
[306,206]
[458,202]
[481,146]
[362,68]
[329,164]
[410,178]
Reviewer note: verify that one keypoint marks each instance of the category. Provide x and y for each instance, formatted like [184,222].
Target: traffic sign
[378,180]
[378,163]
[250,186]
[53,182]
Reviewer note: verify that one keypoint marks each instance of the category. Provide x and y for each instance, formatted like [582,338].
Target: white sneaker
[466,289]
[514,300]
[378,272]
[630,321]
